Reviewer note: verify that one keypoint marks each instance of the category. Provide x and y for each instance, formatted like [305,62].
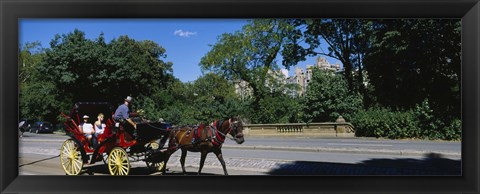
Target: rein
[152,126]
[229,129]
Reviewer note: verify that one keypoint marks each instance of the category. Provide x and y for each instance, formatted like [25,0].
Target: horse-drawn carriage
[116,147]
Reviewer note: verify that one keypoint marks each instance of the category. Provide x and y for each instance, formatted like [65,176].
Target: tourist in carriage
[122,115]
[89,131]
[99,125]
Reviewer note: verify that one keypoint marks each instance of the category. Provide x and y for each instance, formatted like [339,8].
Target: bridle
[233,126]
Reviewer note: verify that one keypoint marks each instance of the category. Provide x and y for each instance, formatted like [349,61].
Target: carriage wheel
[155,166]
[71,158]
[118,163]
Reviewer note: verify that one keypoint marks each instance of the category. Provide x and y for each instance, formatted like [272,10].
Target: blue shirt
[122,112]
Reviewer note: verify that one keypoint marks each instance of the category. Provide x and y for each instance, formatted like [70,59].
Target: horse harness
[214,135]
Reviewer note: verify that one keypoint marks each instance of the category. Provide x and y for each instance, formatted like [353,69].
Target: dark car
[41,127]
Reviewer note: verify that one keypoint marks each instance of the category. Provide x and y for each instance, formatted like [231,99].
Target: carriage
[116,147]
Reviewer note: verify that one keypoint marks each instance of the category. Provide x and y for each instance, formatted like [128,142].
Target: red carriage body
[113,143]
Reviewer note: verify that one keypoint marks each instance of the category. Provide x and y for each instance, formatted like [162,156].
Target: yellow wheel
[155,166]
[118,163]
[71,158]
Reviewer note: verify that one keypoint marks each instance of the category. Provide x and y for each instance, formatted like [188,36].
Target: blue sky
[186,40]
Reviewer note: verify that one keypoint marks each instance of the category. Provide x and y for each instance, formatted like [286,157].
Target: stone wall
[327,129]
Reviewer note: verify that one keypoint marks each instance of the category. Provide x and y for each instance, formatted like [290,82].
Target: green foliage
[30,55]
[79,69]
[39,101]
[249,54]
[278,108]
[419,58]
[107,71]
[453,131]
[433,127]
[418,122]
[382,122]
[214,97]
[328,97]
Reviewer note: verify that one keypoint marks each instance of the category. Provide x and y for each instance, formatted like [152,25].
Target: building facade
[301,78]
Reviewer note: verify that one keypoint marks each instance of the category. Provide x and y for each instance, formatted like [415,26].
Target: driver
[122,115]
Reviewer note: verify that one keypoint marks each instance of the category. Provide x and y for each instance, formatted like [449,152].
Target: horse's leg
[202,161]
[218,152]
[167,157]
[182,160]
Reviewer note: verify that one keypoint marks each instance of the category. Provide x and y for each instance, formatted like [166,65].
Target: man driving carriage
[122,115]
[125,117]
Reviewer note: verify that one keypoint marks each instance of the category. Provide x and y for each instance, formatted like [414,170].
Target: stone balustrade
[325,129]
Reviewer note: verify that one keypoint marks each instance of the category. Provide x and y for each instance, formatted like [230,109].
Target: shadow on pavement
[103,169]
[432,164]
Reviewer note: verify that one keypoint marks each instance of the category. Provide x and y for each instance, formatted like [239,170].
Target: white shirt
[87,128]
[99,130]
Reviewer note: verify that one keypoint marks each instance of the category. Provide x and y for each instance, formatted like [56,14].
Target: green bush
[420,122]
[453,131]
[433,127]
[382,122]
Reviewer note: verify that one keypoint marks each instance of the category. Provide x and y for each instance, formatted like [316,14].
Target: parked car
[42,127]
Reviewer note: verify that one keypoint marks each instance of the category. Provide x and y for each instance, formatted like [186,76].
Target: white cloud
[185,34]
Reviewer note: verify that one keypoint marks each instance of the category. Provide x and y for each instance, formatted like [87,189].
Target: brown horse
[204,139]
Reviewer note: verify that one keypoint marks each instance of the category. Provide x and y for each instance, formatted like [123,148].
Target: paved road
[263,156]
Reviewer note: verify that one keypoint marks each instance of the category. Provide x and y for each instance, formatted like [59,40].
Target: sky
[186,40]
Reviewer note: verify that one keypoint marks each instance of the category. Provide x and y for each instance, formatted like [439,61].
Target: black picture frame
[12,10]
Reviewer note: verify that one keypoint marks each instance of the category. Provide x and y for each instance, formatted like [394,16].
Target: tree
[346,39]
[215,98]
[250,54]
[107,71]
[30,56]
[78,69]
[419,58]
[328,97]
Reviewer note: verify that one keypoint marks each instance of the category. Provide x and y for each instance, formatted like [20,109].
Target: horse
[204,139]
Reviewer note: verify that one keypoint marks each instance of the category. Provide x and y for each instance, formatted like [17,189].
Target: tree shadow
[432,164]
[103,169]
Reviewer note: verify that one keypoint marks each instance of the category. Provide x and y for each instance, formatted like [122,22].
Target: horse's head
[236,131]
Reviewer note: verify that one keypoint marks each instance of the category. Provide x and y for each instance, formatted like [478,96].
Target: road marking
[355,144]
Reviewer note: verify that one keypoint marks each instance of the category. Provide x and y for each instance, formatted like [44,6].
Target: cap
[128,99]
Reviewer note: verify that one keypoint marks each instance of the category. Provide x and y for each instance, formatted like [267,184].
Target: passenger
[122,115]
[99,126]
[88,130]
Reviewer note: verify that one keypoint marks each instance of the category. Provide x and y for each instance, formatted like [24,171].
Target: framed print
[228,24]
